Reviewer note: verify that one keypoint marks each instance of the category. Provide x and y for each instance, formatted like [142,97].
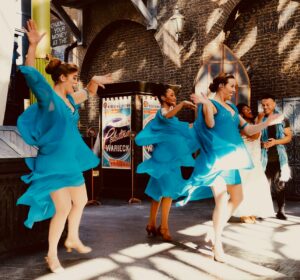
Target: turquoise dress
[51,125]
[174,142]
[222,153]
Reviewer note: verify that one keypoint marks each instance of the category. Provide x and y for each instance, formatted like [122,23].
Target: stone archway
[128,51]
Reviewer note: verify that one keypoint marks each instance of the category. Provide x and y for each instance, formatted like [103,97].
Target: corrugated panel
[6,151]
[12,145]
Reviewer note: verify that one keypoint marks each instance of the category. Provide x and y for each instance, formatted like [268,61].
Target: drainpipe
[68,49]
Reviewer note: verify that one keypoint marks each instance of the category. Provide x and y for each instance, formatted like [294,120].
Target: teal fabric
[51,125]
[222,153]
[174,142]
[283,157]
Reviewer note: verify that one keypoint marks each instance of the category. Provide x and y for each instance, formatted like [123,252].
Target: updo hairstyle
[222,78]
[56,68]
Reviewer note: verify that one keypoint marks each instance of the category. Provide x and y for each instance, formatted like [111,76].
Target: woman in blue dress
[57,189]
[222,154]
[174,143]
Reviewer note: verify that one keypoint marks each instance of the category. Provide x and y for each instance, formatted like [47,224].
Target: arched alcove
[224,60]
[128,51]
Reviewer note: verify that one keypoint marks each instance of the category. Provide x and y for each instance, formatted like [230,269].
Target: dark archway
[128,51]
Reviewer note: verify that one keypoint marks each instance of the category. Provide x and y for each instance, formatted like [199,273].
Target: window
[224,60]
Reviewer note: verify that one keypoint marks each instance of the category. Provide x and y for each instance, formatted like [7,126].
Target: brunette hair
[240,107]
[161,90]
[56,68]
[222,78]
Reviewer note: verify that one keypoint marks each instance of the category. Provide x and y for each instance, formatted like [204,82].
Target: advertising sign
[116,129]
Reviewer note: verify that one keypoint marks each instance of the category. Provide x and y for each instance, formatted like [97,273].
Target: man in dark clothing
[274,156]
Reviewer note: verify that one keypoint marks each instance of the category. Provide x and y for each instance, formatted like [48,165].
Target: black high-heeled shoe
[151,230]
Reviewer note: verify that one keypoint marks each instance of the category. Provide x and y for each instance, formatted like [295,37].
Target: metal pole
[91,132]
[132,199]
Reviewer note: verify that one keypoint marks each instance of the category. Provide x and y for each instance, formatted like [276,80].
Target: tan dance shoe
[79,247]
[54,264]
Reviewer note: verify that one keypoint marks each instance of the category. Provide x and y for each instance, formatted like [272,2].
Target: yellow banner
[41,15]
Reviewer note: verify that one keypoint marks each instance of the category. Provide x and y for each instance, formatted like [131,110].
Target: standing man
[274,155]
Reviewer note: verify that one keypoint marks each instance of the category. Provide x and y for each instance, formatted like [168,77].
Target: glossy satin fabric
[257,199]
[222,153]
[174,142]
[51,125]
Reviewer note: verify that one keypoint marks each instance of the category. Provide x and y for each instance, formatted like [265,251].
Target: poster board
[116,130]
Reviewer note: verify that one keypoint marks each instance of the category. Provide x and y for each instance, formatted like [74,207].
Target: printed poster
[116,129]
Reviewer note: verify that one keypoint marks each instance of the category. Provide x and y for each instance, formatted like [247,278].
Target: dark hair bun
[213,87]
[52,66]
[222,78]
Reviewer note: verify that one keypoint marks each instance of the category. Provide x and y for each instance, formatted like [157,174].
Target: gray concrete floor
[269,249]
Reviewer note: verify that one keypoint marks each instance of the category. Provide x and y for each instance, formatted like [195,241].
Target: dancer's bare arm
[92,87]
[34,37]
[209,110]
[288,134]
[251,129]
[257,135]
[178,107]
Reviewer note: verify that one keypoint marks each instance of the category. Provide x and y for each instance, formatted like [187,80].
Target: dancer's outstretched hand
[274,119]
[200,98]
[189,104]
[103,79]
[34,37]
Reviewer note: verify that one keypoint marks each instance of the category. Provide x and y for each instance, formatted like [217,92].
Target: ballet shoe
[164,233]
[220,259]
[78,246]
[253,218]
[54,264]
[151,230]
[247,220]
[220,256]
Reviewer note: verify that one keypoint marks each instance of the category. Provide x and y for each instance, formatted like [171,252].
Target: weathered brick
[117,41]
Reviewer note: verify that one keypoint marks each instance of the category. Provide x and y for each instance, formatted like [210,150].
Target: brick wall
[264,35]
[126,50]
[272,51]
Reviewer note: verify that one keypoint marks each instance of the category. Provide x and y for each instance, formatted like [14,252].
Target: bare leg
[223,211]
[236,197]
[165,210]
[79,200]
[219,214]
[153,212]
[62,202]
[151,227]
